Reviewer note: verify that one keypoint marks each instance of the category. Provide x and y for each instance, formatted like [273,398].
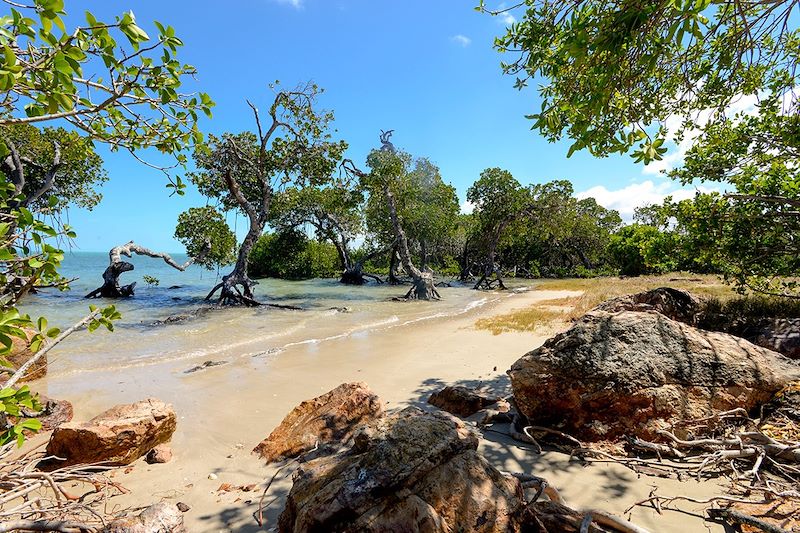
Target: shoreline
[225,411]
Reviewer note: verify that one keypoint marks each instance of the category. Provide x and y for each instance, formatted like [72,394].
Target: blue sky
[426,69]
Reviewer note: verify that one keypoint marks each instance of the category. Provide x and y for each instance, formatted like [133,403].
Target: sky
[425,69]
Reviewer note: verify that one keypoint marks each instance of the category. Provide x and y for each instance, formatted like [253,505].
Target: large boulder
[632,373]
[676,304]
[327,419]
[161,517]
[460,401]
[118,436]
[411,471]
[779,334]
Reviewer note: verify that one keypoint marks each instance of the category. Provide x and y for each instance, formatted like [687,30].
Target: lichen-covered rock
[613,374]
[118,436]
[327,419]
[161,517]
[676,304]
[411,471]
[460,400]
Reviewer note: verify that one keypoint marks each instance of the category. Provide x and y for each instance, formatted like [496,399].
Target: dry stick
[586,523]
[744,519]
[260,515]
[619,524]
[22,370]
[45,525]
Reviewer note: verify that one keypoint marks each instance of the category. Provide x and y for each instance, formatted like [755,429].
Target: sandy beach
[225,411]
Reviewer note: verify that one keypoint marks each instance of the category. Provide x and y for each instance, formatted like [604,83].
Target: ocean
[330,311]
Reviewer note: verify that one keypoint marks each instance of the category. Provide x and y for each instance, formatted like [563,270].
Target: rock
[182,507]
[53,413]
[118,436]
[160,454]
[161,517]
[19,355]
[327,419]
[460,401]
[411,471]
[673,303]
[781,335]
[632,373]
[207,364]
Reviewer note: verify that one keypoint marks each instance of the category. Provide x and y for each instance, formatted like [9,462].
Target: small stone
[182,507]
[212,477]
[160,454]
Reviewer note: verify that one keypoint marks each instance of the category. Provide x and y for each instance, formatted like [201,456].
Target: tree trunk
[422,282]
[111,287]
[491,273]
[393,264]
[354,274]
[236,287]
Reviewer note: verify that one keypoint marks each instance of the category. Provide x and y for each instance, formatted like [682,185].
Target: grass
[523,320]
[596,290]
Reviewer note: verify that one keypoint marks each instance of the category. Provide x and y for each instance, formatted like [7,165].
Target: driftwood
[37,501]
[111,287]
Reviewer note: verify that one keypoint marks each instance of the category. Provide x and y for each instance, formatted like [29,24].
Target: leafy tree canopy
[74,180]
[611,73]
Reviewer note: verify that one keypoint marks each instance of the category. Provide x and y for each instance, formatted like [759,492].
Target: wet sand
[224,411]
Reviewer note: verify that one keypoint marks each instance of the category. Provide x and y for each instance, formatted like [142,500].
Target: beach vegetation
[290,146]
[623,77]
[105,82]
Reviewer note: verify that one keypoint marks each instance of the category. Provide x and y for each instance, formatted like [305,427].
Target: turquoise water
[222,334]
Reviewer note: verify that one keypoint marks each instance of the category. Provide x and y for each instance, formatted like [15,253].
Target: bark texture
[111,287]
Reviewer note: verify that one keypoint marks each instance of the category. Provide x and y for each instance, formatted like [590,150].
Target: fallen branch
[729,515]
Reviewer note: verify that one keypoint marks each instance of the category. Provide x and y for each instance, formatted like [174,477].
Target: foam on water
[225,334]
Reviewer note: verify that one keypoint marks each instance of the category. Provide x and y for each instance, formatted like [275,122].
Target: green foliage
[334,210]
[427,207]
[84,76]
[199,226]
[89,78]
[641,249]
[12,401]
[80,170]
[614,71]
[291,255]
[151,280]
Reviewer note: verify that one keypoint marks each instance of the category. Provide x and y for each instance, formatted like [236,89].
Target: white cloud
[297,4]
[507,18]
[746,104]
[461,40]
[627,199]
[467,207]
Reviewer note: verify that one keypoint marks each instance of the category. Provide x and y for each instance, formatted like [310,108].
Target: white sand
[225,411]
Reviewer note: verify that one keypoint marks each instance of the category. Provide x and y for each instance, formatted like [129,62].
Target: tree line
[611,77]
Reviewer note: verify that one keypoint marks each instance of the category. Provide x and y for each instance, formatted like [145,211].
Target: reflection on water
[224,334]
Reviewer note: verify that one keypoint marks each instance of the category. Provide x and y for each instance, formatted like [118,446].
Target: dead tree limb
[111,287]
